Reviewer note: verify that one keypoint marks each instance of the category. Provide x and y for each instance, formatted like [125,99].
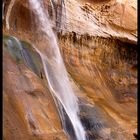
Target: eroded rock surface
[98,42]
[29,110]
[98,18]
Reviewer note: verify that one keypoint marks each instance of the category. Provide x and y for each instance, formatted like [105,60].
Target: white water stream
[56,73]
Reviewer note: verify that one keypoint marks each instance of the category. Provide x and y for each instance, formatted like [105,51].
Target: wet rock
[98,44]
[29,110]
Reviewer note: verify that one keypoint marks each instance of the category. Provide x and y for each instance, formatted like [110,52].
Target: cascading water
[56,73]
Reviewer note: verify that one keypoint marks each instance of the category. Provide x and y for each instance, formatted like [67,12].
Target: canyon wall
[98,42]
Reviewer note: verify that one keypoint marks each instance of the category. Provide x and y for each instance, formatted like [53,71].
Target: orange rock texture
[29,110]
[98,43]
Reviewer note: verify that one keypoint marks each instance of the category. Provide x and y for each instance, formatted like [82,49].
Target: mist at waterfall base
[57,77]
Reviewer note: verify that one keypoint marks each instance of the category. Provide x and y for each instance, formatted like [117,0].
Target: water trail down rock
[56,73]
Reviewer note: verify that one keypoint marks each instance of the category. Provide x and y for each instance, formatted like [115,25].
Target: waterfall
[56,73]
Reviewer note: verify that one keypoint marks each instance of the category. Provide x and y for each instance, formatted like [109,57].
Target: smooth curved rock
[29,110]
[98,42]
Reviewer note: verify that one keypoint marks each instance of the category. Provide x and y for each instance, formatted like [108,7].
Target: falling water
[56,73]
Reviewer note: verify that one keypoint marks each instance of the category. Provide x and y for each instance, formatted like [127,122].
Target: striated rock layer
[98,42]
[106,70]
[107,18]
[29,110]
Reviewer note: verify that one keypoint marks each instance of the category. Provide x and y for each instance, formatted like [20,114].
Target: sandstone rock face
[103,69]
[29,110]
[110,18]
[98,41]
